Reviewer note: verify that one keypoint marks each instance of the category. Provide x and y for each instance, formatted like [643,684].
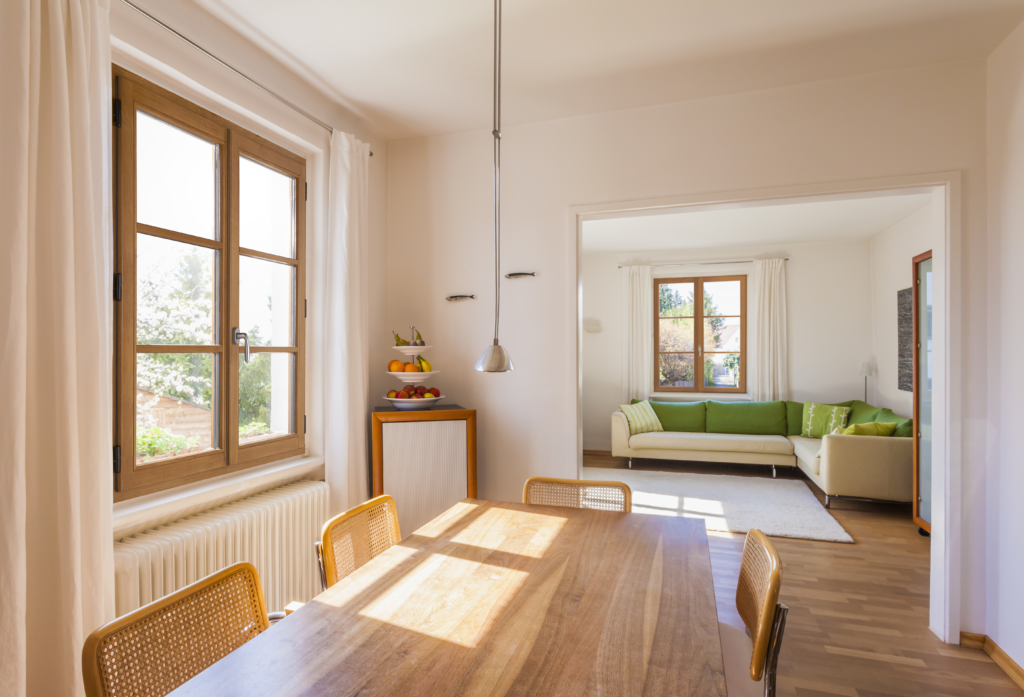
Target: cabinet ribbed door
[424,469]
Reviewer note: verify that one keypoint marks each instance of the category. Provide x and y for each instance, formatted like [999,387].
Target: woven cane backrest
[574,493]
[357,536]
[153,650]
[757,594]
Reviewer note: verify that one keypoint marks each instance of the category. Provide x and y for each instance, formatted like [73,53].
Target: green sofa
[768,433]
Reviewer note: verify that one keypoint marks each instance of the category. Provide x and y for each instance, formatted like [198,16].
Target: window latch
[238,337]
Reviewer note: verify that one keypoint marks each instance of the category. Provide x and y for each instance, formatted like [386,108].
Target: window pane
[675,334]
[176,178]
[676,370]
[266,302]
[265,396]
[177,287]
[266,204]
[175,405]
[721,298]
[722,334]
[722,370]
[675,299]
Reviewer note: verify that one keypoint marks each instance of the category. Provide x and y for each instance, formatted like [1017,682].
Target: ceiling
[775,223]
[424,68]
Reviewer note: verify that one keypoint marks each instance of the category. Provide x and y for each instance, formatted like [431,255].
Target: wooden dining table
[494,598]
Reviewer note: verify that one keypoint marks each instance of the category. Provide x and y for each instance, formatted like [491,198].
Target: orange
[410,368]
[396,366]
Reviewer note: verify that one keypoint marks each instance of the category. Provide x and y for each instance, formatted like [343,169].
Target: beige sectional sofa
[858,467]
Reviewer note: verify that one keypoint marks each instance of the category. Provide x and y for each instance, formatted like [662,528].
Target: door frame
[926,526]
[947,458]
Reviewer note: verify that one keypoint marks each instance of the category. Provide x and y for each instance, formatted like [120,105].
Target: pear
[419,340]
[399,341]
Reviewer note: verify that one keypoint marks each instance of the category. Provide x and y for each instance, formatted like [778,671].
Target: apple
[392,394]
[434,391]
[403,395]
[421,390]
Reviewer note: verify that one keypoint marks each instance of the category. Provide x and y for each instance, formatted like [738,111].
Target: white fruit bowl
[414,404]
[413,378]
[411,350]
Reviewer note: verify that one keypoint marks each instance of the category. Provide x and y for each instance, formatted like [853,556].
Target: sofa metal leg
[828,502]
[773,471]
[630,463]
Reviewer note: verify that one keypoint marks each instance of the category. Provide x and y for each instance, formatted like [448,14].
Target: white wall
[828,323]
[1004,557]
[892,254]
[929,119]
[143,47]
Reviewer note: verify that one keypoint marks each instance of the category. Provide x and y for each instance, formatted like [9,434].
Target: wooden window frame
[134,92]
[698,334]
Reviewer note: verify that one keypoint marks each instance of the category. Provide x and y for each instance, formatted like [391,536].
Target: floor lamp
[865,371]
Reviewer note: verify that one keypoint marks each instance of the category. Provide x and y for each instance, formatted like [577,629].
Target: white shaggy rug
[776,507]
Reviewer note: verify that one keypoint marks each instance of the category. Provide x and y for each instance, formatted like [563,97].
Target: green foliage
[154,442]
[254,387]
[251,430]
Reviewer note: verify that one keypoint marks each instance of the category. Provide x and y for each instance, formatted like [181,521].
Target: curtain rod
[227,65]
[702,263]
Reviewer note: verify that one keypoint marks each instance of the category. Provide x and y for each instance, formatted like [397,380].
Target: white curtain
[56,540]
[347,352]
[638,332]
[769,379]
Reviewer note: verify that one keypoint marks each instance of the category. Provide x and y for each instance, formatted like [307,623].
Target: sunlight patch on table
[447,598]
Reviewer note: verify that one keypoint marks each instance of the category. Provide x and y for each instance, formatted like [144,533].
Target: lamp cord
[496,132]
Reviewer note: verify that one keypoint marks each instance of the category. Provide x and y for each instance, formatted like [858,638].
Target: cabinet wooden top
[445,413]
[497,598]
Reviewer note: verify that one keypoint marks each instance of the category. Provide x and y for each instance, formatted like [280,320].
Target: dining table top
[495,598]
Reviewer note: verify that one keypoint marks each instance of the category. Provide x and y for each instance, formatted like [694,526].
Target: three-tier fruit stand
[413,379]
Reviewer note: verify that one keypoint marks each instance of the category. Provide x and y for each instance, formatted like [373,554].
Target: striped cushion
[641,418]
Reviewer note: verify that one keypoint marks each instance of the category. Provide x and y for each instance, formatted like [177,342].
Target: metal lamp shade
[494,359]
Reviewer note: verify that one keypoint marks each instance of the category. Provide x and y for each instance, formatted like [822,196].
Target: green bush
[155,441]
[253,429]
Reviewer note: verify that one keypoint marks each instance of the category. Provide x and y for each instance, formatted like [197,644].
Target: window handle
[238,337]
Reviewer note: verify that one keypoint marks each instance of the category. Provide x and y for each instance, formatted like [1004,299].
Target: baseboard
[985,643]
[598,452]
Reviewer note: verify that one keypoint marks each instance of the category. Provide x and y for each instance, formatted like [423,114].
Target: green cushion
[904,426]
[688,417]
[861,412]
[872,428]
[753,418]
[641,418]
[685,417]
[821,419]
[794,415]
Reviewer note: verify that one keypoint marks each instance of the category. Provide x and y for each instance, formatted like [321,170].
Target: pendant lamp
[495,358]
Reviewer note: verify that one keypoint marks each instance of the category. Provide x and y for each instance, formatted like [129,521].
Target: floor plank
[858,619]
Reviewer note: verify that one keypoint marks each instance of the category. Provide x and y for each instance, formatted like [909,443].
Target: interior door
[923,284]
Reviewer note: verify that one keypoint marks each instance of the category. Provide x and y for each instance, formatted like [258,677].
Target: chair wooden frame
[326,552]
[92,670]
[529,498]
[757,600]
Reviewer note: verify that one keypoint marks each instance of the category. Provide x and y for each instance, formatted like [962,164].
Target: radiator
[274,530]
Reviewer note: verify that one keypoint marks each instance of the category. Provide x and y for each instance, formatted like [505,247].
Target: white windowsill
[148,511]
[699,397]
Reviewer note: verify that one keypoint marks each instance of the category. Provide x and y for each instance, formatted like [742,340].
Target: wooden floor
[858,614]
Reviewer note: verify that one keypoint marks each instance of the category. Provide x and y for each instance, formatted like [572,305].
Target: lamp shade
[494,359]
[865,369]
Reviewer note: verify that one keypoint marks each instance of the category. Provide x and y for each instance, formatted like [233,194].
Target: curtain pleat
[56,545]
[638,332]
[769,379]
[347,332]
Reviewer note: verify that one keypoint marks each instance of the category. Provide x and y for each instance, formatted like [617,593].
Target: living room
[853,253]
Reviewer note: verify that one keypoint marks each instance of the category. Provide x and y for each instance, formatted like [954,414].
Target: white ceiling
[424,68]
[775,223]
